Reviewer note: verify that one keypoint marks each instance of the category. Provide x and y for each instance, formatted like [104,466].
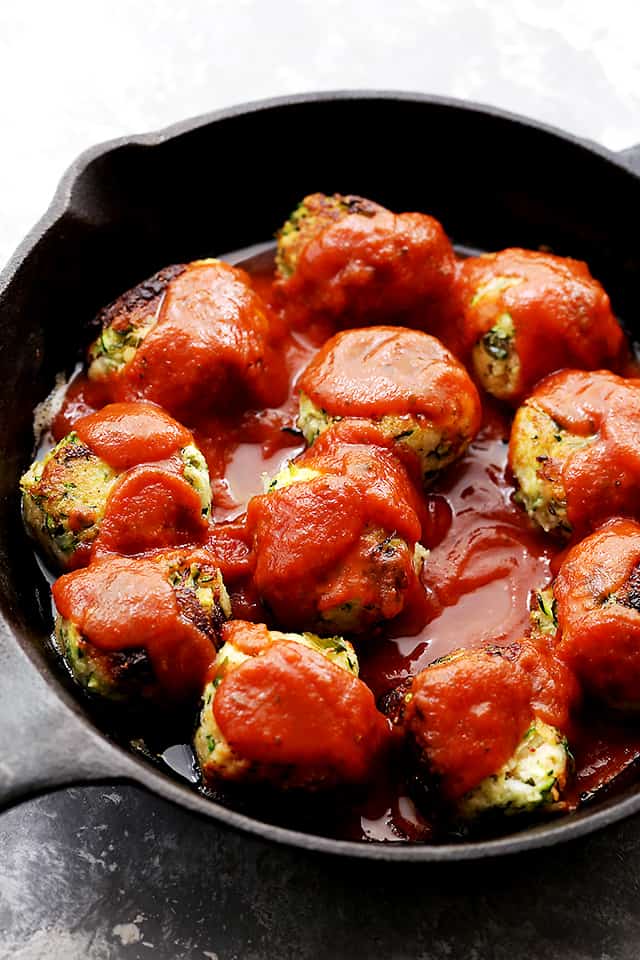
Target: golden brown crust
[134,307]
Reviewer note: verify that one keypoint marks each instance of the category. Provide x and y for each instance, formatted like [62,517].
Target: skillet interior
[493,182]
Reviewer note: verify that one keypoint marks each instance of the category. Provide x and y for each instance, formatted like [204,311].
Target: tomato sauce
[598,596]
[120,604]
[603,749]
[212,345]
[364,269]
[291,705]
[467,744]
[126,434]
[562,316]
[383,486]
[365,373]
[601,479]
[150,506]
[486,558]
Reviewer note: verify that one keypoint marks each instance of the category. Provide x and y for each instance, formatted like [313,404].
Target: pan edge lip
[60,201]
[130,768]
[133,768]
[406,852]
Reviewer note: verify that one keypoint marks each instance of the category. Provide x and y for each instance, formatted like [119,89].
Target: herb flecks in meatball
[68,496]
[526,314]
[538,451]
[64,498]
[125,323]
[478,724]
[575,450]
[495,360]
[309,219]
[534,776]
[544,613]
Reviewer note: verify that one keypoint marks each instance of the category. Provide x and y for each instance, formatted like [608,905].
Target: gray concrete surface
[111,872]
[100,873]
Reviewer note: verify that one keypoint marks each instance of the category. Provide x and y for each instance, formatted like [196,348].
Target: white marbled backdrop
[75,72]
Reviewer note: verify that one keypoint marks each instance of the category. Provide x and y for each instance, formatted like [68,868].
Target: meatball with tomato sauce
[288,710]
[348,261]
[336,539]
[144,629]
[316,213]
[575,450]
[407,384]
[526,314]
[488,728]
[191,337]
[122,449]
[597,600]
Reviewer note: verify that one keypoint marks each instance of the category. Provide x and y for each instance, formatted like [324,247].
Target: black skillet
[219,183]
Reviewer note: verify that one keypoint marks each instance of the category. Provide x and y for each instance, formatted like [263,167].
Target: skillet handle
[44,743]
[631,156]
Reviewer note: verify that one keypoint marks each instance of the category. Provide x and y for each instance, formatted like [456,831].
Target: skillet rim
[125,764]
[61,199]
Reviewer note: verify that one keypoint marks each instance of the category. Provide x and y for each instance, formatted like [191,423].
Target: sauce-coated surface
[121,603]
[365,269]
[368,373]
[456,708]
[125,434]
[486,559]
[212,340]
[150,506]
[598,599]
[291,705]
[562,315]
[601,479]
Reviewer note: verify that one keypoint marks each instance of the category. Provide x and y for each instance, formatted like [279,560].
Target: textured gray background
[111,872]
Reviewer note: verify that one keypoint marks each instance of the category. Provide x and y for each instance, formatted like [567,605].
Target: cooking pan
[219,183]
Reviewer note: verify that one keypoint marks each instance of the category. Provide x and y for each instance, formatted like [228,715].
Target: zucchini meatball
[287,709]
[346,260]
[538,451]
[125,323]
[575,450]
[337,543]
[66,494]
[534,776]
[309,219]
[483,725]
[597,596]
[141,629]
[405,382]
[191,337]
[526,314]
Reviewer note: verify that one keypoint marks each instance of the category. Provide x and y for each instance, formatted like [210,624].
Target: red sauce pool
[486,559]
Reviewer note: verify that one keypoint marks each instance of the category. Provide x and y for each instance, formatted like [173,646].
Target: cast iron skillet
[221,182]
